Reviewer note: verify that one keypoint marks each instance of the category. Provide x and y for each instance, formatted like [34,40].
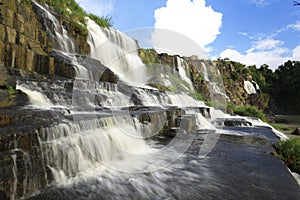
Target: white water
[76,147]
[15,176]
[214,84]
[60,38]
[81,149]
[250,89]
[205,74]
[36,98]
[183,100]
[182,68]
[118,52]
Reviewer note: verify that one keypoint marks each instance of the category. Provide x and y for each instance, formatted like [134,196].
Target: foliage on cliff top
[105,21]
[249,111]
[72,12]
[289,152]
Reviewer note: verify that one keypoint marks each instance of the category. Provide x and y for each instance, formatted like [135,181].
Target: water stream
[104,146]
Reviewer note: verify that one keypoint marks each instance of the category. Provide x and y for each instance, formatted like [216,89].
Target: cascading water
[182,68]
[59,35]
[122,57]
[214,88]
[37,99]
[89,141]
[251,87]
[91,148]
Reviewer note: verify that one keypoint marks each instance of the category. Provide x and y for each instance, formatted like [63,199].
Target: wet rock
[232,122]
[296,131]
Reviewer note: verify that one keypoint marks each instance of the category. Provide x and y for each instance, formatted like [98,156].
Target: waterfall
[249,87]
[59,35]
[118,52]
[205,74]
[37,99]
[213,83]
[76,147]
[184,100]
[15,175]
[118,138]
[182,68]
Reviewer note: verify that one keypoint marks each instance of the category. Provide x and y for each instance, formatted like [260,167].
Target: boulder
[296,131]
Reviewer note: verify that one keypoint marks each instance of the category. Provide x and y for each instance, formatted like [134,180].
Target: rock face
[26,53]
[228,75]
[296,131]
[26,50]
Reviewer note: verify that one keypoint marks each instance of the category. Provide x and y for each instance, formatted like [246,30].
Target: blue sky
[249,31]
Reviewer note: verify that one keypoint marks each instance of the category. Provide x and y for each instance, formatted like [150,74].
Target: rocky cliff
[210,76]
[25,49]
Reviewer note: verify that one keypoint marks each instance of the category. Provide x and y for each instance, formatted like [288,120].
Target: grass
[289,152]
[281,127]
[250,111]
[197,96]
[105,21]
[72,12]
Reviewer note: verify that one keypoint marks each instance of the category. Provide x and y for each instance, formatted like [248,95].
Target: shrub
[289,152]
[104,22]
[249,111]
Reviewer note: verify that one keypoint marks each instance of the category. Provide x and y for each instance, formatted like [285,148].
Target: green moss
[289,152]
[11,90]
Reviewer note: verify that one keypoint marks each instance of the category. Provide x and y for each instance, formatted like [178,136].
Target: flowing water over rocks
[94,132]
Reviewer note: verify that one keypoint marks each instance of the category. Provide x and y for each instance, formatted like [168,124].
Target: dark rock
[296,131]
[232,122]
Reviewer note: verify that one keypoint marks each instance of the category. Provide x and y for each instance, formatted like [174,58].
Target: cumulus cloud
[191,18]
[98,7]
[267,51]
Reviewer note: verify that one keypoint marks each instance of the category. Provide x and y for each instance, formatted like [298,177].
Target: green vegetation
[11,90]
[285,88]
[70,11]
[197,96]
[160,87]
[26,2]
[148,56]
[289,152]
[249,111]
[104,22]
[281,127]
[216,104]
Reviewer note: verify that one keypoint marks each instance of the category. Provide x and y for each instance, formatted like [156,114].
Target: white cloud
[295,26]
[243,33]
[296,53]
[260,3]
[191,18]
[267,44]
[268,51]
[98,7]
